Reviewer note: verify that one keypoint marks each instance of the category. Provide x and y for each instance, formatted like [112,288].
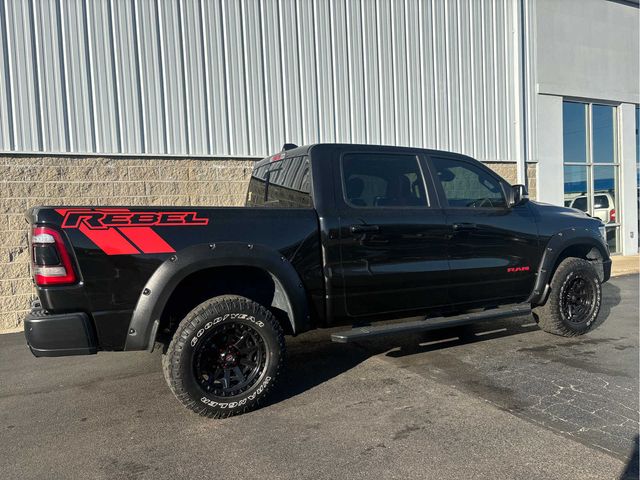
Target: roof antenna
[289,146]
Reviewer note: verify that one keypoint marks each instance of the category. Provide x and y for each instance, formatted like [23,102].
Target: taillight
[50,259]
[612,216]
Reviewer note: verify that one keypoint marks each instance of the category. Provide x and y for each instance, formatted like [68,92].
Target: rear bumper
[58,335]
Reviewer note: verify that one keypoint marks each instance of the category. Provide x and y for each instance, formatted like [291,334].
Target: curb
[625,265]
[623,272]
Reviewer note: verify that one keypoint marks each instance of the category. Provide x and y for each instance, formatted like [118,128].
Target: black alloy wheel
[577,299]
[230,359]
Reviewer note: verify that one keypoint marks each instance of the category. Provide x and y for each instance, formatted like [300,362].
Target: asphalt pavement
[496,400]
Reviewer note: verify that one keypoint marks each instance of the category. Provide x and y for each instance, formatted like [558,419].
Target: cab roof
[290,150]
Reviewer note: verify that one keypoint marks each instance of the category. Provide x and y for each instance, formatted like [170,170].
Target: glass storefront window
[604,191]
[638,141]
[575,187]
[591,167]
[602,133]
[574,126]
[638,167]
[605,197]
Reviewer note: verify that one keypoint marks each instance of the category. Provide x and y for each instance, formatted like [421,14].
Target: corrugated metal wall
[241,77]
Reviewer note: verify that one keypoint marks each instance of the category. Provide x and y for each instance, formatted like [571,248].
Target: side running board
[427,324]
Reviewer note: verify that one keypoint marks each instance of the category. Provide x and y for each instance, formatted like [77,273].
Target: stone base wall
[508,171]
[27,181]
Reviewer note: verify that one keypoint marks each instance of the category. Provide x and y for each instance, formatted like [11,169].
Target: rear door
[493,247]
[392,234]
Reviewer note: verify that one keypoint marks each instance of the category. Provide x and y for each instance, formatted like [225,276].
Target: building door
[592,165]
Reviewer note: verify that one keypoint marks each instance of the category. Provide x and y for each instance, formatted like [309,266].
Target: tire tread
[193,320]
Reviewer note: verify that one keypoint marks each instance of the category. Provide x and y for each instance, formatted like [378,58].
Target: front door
[493,246]
[393,235]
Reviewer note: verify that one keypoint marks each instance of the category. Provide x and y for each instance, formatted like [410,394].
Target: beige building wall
[27,181]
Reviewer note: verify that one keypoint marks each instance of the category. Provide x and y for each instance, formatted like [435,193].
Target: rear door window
[374,180]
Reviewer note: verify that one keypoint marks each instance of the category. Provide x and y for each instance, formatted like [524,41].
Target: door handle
[364,228]
[462,227]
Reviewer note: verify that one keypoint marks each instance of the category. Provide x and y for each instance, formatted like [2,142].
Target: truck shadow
[313,359]
[632,470]
[610,298]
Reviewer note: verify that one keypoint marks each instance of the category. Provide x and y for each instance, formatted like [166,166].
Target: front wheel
[225,357]
[574,300]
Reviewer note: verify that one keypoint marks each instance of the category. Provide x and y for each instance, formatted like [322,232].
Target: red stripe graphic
[147,240]
[118,231]
[110,241]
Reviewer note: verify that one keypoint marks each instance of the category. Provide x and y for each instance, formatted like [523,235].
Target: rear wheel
[225,357]
[574,300]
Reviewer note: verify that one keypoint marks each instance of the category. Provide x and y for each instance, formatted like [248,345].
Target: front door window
[468,186]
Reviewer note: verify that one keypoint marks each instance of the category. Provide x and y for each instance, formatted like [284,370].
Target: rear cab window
[380,180]
[281,183]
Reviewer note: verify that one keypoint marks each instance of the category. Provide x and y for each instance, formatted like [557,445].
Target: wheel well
[584,251]
[251,282]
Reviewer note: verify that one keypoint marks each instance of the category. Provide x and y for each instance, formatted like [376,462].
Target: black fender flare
[557,244]
[158,289]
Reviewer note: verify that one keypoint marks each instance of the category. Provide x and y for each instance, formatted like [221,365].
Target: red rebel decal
[120,231]
[98,219]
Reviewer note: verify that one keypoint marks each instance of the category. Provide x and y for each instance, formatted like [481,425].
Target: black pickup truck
[331,234]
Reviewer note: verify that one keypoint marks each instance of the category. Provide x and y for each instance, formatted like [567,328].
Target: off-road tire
[552,317]
[180,361]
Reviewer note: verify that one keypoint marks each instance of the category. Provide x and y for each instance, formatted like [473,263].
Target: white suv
[604,206]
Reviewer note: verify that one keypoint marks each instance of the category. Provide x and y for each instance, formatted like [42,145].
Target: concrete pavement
[497,400]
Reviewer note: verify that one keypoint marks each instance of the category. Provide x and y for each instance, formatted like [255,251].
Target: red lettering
[74,219]
[116,219]
[144,218]
[113,217]
[172,218]
[192,219]
[517,269]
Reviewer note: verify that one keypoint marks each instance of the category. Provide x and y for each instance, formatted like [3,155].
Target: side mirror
[519,195]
